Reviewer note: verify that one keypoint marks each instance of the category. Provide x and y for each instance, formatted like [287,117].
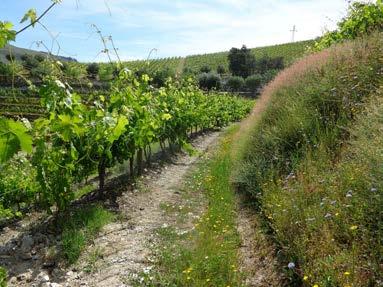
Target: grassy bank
[205,254]
[314,166]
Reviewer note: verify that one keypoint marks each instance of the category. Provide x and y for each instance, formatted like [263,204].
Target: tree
[92,70]
[241,62]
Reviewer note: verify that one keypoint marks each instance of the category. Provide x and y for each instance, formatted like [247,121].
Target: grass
[206,253]
[3,277]
[82,227]
[313,165]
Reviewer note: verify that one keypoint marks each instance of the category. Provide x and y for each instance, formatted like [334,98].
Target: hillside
[289,51]
[18,52]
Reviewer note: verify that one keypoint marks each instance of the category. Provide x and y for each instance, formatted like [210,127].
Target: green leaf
[31,14]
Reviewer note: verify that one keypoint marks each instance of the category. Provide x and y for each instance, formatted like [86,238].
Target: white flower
[374,189]
[291,265]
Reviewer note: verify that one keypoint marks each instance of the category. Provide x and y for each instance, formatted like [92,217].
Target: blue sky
[173,27]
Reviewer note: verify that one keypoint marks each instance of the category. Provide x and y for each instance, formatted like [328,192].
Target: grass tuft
[82,227]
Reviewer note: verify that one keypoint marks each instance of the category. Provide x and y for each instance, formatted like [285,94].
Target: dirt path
[256,254]
[125,245]
[122,249]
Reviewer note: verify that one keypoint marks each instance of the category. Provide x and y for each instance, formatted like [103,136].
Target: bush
[160,77]
[221,70]
[187,71]
[106,72]
[235,83]
[46,68]
[254,82]
[92,70]
[74,71]
[18,187]
[205,69]
[209,81]
[10,57]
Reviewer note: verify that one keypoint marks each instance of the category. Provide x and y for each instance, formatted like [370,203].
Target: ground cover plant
[309,167]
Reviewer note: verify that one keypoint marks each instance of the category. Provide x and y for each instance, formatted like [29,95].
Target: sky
[171,27]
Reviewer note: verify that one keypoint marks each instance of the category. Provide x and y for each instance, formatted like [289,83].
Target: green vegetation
[81,229]
[289,51]
[3,277]
[312,165]
[73,140]
[206,255]
[362,19]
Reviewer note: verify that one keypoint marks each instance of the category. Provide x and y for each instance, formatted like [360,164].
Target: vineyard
[289,51]
[73,140]
[251,167]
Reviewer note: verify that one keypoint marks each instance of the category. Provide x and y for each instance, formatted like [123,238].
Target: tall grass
[312,171]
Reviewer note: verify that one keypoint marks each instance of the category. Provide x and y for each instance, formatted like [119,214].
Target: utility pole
[294,30]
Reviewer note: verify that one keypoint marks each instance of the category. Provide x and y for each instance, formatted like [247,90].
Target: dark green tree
[241,62]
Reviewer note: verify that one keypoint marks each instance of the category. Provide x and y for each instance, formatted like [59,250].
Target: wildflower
[207,280]
[305,278]
[346,273]
[291,265]
[328,215]
[315,285]
[354,227]
[188,278]
[373,189]
[337,214]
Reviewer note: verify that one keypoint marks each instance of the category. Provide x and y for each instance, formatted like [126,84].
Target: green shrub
[254,82]
[93,70]
[160,77]
[209,81]
[205,69]
[321,198]
[235,83]
[18,187]
[221,70]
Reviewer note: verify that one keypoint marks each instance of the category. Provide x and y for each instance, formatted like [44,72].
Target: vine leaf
[13,137]
[31,14]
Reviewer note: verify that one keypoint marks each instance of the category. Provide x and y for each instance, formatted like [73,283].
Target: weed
[82,227]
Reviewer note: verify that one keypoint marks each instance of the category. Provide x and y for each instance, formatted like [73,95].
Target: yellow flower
[346,273]
[354,227]
[207,280]
[337,214]
[188,278]
[305,278]
[315,285]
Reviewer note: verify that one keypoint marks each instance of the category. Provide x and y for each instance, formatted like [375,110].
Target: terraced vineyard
[289,51]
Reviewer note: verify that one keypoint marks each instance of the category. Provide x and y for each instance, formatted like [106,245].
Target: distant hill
[18,52]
